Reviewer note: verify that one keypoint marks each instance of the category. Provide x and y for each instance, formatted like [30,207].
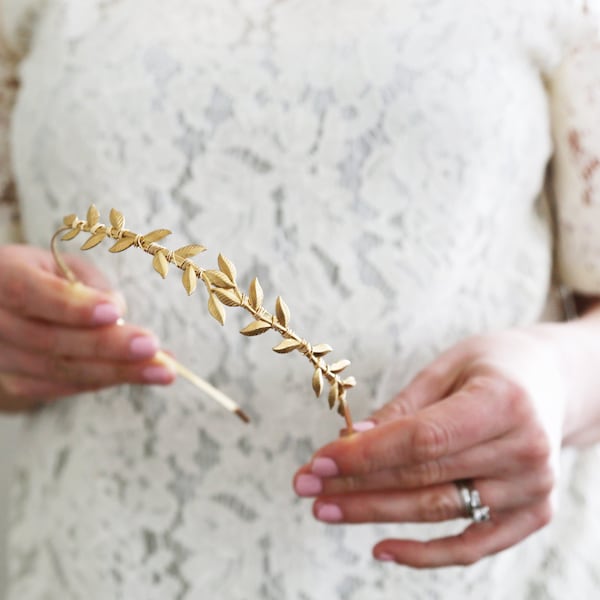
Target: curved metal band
[471,500]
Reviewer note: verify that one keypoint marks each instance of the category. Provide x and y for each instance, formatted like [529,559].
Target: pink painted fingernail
[157,374]
[330,513]
[308,485]
[324,467]
[363,426]
[105,314]
[385,557]
[144,346]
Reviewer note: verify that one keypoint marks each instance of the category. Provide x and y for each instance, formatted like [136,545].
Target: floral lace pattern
[365,162]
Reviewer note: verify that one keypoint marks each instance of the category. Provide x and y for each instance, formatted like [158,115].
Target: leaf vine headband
[222,290]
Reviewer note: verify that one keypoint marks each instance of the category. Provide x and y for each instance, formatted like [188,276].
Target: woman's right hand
[58,338]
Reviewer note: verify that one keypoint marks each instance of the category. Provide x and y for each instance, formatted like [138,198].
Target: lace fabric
[361,160]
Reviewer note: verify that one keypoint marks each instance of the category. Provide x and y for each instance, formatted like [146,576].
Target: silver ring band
[471,500]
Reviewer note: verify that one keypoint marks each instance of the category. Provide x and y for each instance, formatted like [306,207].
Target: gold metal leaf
[156,235]
[339,366]
[122,244]
[69,220]
[70,235]
[334,394]
[219,279]
[227,297]
[216,309]
[93,216]
[255,328]
[93,240]
[317,382]
[287,346]
[190,279]
[190,250]
[160,264]
[321,349]
[227,267]
[349,382]
[282,311]
[117,220]
[255,294]
[342,409]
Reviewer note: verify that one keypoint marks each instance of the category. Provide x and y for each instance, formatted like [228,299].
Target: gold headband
[222,291]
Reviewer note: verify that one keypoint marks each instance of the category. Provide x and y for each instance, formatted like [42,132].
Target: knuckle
[46,341]
[393,410]
[435,505]
[537,451]
[97,343]
[63,304]
[375,454]
[543,514]
[433,376]
[348,485]
[15,291]
[370,460]
[429,441]
[482,383]
[378,513]
[12,386]
[468,556]
[70,371]
[516,399]
[544,483]
[422,475]
[432,373]
[60,367]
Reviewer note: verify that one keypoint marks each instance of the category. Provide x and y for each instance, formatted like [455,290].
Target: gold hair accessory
[222,291]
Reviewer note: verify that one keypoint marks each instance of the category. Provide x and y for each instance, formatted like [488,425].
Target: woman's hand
[58,338]
[490,410]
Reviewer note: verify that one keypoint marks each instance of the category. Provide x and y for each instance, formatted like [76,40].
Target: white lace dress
[381,165]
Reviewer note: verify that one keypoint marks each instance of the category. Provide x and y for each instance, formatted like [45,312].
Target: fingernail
[363,425]
[330,513]
[157,374]
[324,467]
[385,557]
[143,347]
[308,485]
[105,314]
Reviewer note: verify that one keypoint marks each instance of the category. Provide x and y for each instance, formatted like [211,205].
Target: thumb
[89,276]
[430,385]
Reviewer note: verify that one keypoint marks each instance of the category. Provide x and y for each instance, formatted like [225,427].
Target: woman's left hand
[490,410]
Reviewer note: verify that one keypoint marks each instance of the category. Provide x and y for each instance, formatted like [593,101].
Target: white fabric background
[8,437]
[183,510]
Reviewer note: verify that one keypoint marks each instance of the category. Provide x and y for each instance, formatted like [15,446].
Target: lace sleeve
[575,91]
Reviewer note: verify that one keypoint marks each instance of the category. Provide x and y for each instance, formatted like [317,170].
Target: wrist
[575,346]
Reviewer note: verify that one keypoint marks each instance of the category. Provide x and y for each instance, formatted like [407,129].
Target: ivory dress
[381,165]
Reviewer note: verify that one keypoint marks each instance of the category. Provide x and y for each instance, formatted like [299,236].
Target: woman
[380,164]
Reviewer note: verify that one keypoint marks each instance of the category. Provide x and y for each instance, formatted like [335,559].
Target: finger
[484,409]
[428,386]
[85,272]
[125,342]
[30,291]
[84,372]
[434,503]
[503,458]
[474,543]
[18,393]
[425,505]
